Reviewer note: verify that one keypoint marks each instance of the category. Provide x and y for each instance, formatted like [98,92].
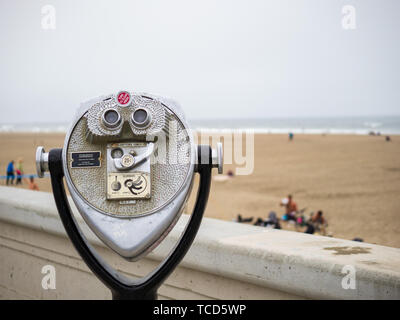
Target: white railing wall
[227,260]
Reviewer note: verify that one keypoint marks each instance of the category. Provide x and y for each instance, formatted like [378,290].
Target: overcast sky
[219,59]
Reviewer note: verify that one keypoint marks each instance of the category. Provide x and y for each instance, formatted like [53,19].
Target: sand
[354,179]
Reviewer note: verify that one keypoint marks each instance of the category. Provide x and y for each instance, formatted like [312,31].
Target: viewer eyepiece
[140,118]
[111,118]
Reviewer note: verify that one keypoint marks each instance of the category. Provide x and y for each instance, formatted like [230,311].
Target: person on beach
[290,207]
[271,222]
[10,173]
[243,220]
[316,223]
[19,177]
[20,171]
[318,218]
[291,136]
[32,184]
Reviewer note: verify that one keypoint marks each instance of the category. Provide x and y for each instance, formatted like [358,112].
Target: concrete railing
[227,260]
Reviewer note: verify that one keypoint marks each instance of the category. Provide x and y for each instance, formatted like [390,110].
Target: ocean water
[387,125]
[343,125]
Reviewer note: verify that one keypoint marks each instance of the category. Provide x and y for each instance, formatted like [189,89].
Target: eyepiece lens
[140,116]
[111,116]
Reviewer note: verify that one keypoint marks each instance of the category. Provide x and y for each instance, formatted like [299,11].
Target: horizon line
[235,118]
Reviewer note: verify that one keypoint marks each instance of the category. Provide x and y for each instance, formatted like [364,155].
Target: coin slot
[116,153]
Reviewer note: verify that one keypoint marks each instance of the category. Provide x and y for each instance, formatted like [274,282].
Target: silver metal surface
[42,162]
[96,132]
[218,158]
[166,179]
[128,170]
[128,161]
[131,228]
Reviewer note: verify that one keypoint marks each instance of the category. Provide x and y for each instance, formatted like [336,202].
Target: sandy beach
[354,179]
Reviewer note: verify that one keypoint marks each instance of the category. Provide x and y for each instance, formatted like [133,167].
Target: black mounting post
[146,288]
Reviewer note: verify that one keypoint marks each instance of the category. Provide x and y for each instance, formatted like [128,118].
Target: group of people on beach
[315,223]
[16,169]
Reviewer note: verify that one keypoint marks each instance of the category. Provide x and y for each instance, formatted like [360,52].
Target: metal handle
[42,162]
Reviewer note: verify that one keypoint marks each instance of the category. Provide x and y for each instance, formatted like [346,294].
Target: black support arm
[148,286]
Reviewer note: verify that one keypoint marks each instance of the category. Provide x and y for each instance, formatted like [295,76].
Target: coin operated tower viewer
[129,162]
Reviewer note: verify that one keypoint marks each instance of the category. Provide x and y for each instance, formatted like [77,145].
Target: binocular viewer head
[129,161]
[126,117]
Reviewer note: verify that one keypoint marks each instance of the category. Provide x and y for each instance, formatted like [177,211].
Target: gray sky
[217,58]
